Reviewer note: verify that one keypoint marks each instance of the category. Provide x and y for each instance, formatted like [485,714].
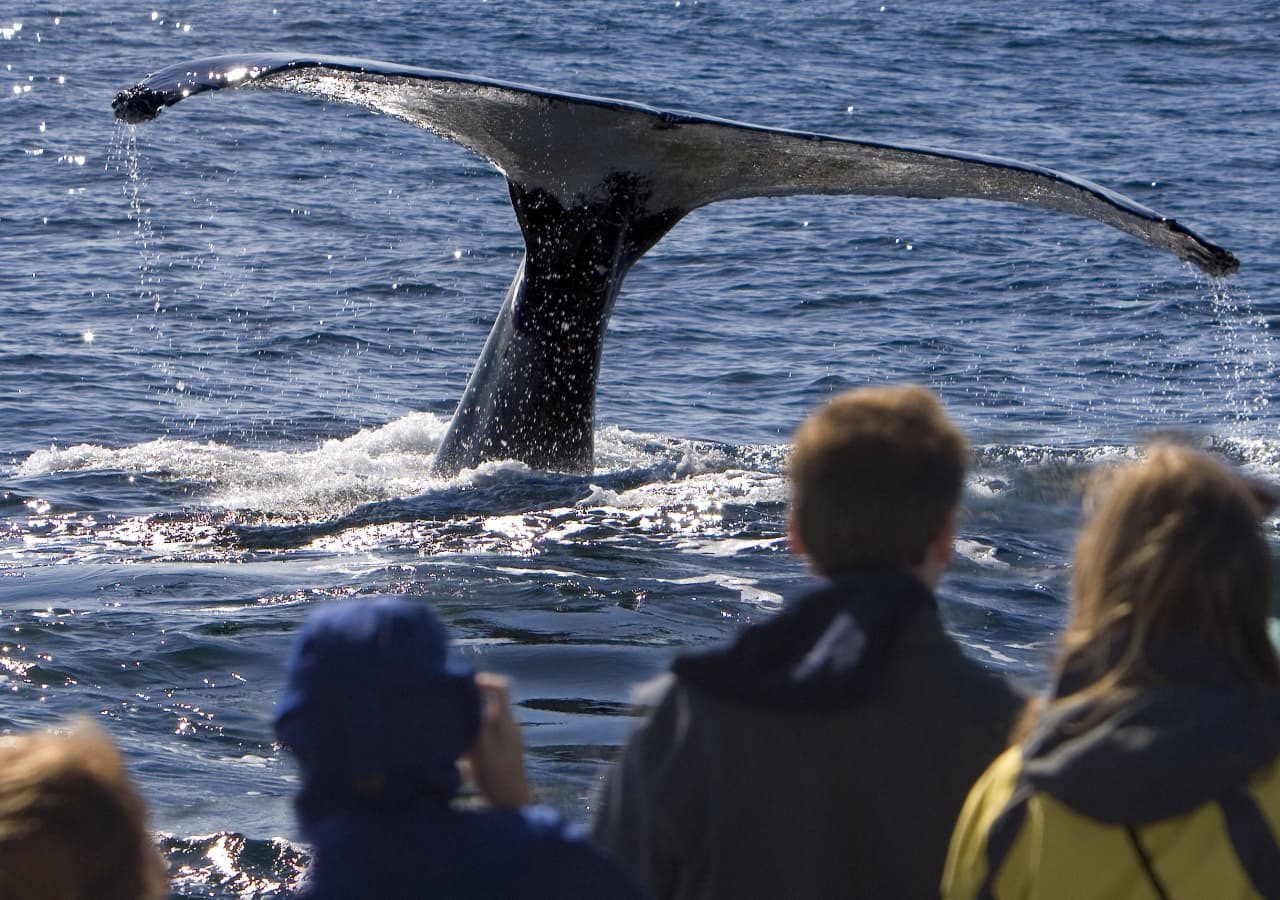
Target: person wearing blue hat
[379,720]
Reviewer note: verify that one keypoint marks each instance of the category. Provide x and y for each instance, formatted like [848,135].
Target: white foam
[727,547]
[705,492]
[394,460]
[991,652]
[546,573]
[693,485]
[747,588]
[980,553]
[378,463]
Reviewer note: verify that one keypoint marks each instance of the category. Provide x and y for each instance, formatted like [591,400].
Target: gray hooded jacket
[823,753]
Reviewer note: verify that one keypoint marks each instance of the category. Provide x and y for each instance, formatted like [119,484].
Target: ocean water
[231,340]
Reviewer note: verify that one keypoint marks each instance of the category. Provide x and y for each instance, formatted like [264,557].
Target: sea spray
[1246,359]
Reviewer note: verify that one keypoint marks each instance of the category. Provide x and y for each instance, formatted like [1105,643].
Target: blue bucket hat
[371,697]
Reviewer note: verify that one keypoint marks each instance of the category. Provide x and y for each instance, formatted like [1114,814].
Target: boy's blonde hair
[876,474]
[72,825]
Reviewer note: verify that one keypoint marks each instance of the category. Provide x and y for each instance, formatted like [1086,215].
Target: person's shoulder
[563,862]
[545,823]
[929,640]
[534,822]
[672,705]
[981,674]
[540,824]
[987,686]
[649,694]
[940,668]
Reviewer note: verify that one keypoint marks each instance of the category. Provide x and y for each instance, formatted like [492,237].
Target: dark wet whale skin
[532,392]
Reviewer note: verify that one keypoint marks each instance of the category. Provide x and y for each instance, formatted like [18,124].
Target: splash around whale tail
[595,183]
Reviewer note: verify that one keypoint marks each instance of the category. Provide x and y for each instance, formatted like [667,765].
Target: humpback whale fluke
[595,183]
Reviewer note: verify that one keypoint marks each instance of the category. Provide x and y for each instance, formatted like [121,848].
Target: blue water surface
[231,340]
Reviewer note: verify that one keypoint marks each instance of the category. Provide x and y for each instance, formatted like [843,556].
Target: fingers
[496,758]
[495,697]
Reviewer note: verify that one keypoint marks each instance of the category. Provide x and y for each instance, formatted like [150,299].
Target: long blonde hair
[1171,546]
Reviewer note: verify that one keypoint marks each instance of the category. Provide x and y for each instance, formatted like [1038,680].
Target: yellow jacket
[1173,793]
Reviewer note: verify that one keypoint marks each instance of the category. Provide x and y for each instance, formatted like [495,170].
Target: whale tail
[595,183]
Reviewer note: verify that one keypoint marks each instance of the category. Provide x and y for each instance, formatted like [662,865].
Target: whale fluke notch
[595,183]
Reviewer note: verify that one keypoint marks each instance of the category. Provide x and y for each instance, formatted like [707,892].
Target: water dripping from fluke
[1246,357]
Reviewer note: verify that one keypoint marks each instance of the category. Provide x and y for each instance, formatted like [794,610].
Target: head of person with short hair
[876,477]
[72,825]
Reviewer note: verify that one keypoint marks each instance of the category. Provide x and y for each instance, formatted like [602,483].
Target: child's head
[72,825]
[373,708]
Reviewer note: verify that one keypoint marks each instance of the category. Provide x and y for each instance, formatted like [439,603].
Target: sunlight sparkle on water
[88,336]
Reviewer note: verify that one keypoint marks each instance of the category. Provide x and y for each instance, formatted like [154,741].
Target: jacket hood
[1161,752]
[824,651]
[373,709]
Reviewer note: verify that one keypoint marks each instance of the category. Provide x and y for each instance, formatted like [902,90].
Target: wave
[384,463]
[373,464]
[372,491]
[228,864]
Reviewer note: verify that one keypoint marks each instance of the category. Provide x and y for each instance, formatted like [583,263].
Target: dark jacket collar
[1161,751]
[824,651]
